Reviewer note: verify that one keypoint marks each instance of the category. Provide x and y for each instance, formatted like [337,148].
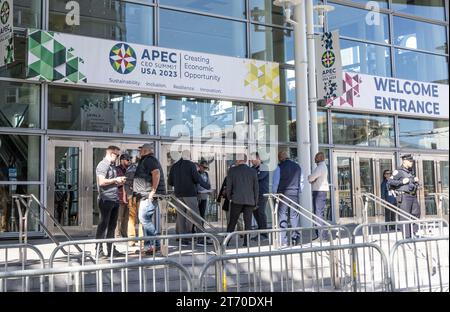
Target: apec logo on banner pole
[73,59]
[329,69]
[6,32]
[391,95]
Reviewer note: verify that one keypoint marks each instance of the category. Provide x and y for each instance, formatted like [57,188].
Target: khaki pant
[133,218]
[122,221]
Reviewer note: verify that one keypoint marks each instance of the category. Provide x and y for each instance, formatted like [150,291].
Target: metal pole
[301,92]
[312,88]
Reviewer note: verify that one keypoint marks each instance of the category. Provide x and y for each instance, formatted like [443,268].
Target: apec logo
[122,58]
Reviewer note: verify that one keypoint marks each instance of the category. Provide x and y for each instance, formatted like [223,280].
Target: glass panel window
[421,66]
[272,44]
[357,23]
[115,20]
[263,11]
[199,33]
[101,111]
[363,130]
[434,9]
[419,35]
[365,58]
[27,13]
[235,8]
[369,3]
[19,105]
[322,126]
[287,86]
[19,157]
[274,123]
[16,69]
[9,216]
[203,118]
[429,134]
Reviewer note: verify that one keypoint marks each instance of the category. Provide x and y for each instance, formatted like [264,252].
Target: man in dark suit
[242,190]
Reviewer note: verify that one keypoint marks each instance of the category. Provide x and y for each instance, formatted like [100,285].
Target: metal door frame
[82,199]
[356,183]
[437,159]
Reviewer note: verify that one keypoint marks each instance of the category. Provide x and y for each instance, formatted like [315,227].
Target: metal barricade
[302,269]
[420,264]
[142,276]
[15,257]
[189,250]
[386,234]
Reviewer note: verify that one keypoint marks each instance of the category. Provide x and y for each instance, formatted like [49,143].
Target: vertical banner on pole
[6,32]
[329,67]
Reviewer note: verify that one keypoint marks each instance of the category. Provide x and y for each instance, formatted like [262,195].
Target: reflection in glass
[421,66]
[192,32]
[366,180]
[380,3]
[345,187]
[19,157]
[263,11]
[287,86]
[352,22]
[444,172]
[274,123]
[364,130]
[322,127]
[384,164]
[419,35]
[100,111]
[429,186]
[203,118]
[115,20]
[16,69]
[9,216]
[98,154]
[365,58]
[433,9]
[67,185]
[27,13]
[272,44]
[19,105]
[234,8]
[429,134]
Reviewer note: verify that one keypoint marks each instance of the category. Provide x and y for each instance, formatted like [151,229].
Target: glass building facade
[407,39]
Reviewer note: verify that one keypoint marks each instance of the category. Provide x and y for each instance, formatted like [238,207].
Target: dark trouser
[294,218]
[235,212]
[409,204]
[109,211]
[260,213]
[202,207]
[319,199]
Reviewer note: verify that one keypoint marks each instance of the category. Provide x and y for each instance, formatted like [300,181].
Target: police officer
[406,184]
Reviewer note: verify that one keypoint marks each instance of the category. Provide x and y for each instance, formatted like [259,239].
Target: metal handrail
[170,198]
[300,210]
[21,198]
[387,205]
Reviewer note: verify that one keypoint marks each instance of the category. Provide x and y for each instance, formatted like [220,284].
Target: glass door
[356,174]
[66,185]
[344,188]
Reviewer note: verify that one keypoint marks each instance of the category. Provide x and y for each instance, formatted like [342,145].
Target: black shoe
[116,253]
[203,242]
[295,241]
[100,254]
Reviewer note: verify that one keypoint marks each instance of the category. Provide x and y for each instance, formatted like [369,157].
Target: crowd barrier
[420,264]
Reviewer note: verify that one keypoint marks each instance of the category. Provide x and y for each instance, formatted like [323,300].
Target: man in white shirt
[319,182]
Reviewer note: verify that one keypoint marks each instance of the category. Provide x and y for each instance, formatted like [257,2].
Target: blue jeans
[147,209]
[319,199]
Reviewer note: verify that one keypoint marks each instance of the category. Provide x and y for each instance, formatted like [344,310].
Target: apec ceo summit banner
[105,63]
[392,95]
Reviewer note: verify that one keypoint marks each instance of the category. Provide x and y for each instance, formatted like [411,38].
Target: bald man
[288,180]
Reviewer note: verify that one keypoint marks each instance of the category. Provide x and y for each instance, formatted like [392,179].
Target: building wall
[406,41]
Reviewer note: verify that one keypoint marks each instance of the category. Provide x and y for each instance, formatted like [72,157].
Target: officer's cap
[407,157]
